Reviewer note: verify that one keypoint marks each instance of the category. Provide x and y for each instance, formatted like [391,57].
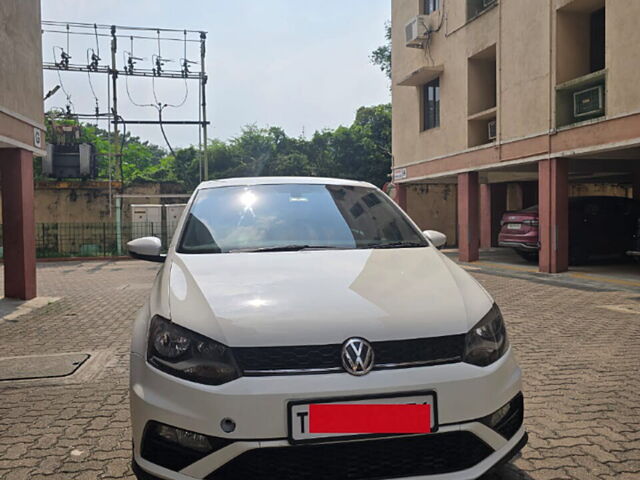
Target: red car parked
[597,226]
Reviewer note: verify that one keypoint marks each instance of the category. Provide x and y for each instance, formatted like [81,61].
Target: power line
[64,59]
[95,97]
[138,37]
[119,27]
[163,133]
[93,66]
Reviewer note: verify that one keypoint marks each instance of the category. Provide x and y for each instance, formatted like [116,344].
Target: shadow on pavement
[11,309]
[507,472]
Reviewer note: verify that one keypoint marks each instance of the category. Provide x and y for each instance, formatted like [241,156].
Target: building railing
[57,240]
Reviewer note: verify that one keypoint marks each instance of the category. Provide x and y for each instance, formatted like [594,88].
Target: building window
[580,40]
[431,104]
[482,97]
[597,40]
[476,7]
[430,6]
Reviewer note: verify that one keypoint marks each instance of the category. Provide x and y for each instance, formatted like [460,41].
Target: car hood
[323,297]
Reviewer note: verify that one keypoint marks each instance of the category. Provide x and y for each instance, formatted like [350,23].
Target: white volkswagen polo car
[304,328]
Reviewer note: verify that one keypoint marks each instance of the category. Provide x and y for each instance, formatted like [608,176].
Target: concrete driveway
[577,341]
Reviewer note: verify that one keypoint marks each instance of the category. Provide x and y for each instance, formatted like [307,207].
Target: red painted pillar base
[468,217]
[553,193]
[18,223]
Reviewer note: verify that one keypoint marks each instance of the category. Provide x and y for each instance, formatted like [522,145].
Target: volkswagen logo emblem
[357,356]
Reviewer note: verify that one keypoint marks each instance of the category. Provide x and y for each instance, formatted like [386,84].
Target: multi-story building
[21,136]
[503,103]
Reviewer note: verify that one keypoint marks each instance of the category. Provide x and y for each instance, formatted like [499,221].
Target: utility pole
[114,79]
[203,86]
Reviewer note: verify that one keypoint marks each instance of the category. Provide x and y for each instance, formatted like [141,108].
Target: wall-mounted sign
[37,137]
[400,174]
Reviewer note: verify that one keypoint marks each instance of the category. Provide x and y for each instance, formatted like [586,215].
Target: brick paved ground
[579,349]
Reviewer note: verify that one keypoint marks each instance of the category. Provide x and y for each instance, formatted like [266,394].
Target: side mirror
[146,248]
[438,239]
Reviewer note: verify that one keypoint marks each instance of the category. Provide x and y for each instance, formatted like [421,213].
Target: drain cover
[40,366]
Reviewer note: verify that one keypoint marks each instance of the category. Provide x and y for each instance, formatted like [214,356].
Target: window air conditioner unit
[588,102]
[416,31]
[491,127]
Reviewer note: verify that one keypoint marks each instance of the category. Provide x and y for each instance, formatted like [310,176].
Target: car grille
[327,358]
[388,458]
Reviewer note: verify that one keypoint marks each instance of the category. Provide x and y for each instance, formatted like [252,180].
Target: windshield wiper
[397,245]
[285,248]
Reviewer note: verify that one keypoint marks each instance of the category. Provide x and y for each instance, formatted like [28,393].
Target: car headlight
[186,354]
[487,341]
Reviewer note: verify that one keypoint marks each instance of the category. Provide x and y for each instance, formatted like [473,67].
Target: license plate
[322,420]
[513,226]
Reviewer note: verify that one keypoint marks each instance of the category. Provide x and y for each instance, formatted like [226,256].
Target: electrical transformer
[69,161]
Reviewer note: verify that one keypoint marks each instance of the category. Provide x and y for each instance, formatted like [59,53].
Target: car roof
[246,181]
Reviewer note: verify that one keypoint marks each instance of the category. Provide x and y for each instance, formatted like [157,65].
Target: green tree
[360,151]
[186,166]
[381,56]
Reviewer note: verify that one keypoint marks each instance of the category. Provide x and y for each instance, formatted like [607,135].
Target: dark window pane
[475,7]
[597,40]
[431,107]
[430,6]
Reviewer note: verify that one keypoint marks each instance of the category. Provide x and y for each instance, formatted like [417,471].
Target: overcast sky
[297,64]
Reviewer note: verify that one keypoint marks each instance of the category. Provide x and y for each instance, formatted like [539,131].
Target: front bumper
[258,405]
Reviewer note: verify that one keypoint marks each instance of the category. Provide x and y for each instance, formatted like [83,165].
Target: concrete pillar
[553,193]
[493,203]
[401,196]
[468,216]
[485,216]
[18,223]
[529,194]
[514,196]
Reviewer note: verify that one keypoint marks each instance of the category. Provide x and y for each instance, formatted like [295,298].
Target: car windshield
[289,217]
